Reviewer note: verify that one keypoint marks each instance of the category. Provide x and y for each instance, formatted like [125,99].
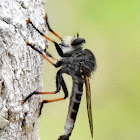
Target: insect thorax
[79,59]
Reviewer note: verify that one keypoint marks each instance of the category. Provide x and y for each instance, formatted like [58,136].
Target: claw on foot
[22,101]
[27,43]
[28,20]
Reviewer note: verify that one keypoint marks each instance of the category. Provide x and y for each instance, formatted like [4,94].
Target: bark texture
[20,68]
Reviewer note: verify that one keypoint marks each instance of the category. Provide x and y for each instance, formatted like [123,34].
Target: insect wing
[89,109]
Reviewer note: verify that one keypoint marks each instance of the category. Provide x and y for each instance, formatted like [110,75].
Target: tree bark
[20,68]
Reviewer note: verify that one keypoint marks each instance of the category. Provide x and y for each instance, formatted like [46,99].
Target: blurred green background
[111,30]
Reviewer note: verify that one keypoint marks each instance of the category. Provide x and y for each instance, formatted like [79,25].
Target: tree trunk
[20,68]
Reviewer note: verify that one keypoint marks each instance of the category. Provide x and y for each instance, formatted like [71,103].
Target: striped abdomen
[74,105]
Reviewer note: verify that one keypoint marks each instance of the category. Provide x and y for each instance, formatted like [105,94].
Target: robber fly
[77,62]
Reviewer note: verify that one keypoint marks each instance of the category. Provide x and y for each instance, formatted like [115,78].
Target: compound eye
[78,41]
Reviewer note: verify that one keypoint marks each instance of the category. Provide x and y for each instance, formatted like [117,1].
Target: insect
[77,62]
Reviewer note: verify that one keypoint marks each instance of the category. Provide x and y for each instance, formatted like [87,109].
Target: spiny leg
[59,50]
[28,21]
[32,46]
[36,92]
[49,101]
[57,64]
[59,82]
[50,29]
[58,87]
[59,99]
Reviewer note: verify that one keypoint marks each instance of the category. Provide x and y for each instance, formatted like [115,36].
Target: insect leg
[49,101]
[32,46]
[59,82]
[59,50]
[49,55]
[50,29]
[28,21]
[36,92]
[64,87]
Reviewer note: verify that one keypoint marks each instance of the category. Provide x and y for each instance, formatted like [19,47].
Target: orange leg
[53,100]
[28,21]
[59,50]
[35,92]
[49,101]
[46,92]
[44,101]
[49,55]
[47,59]
[50,29]
[40,53]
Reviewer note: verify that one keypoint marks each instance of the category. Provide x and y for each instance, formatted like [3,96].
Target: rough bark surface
[20,68]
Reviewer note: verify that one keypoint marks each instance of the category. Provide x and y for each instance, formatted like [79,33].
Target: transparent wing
[89,108]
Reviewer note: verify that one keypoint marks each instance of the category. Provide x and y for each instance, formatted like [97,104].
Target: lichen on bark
[20,68]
